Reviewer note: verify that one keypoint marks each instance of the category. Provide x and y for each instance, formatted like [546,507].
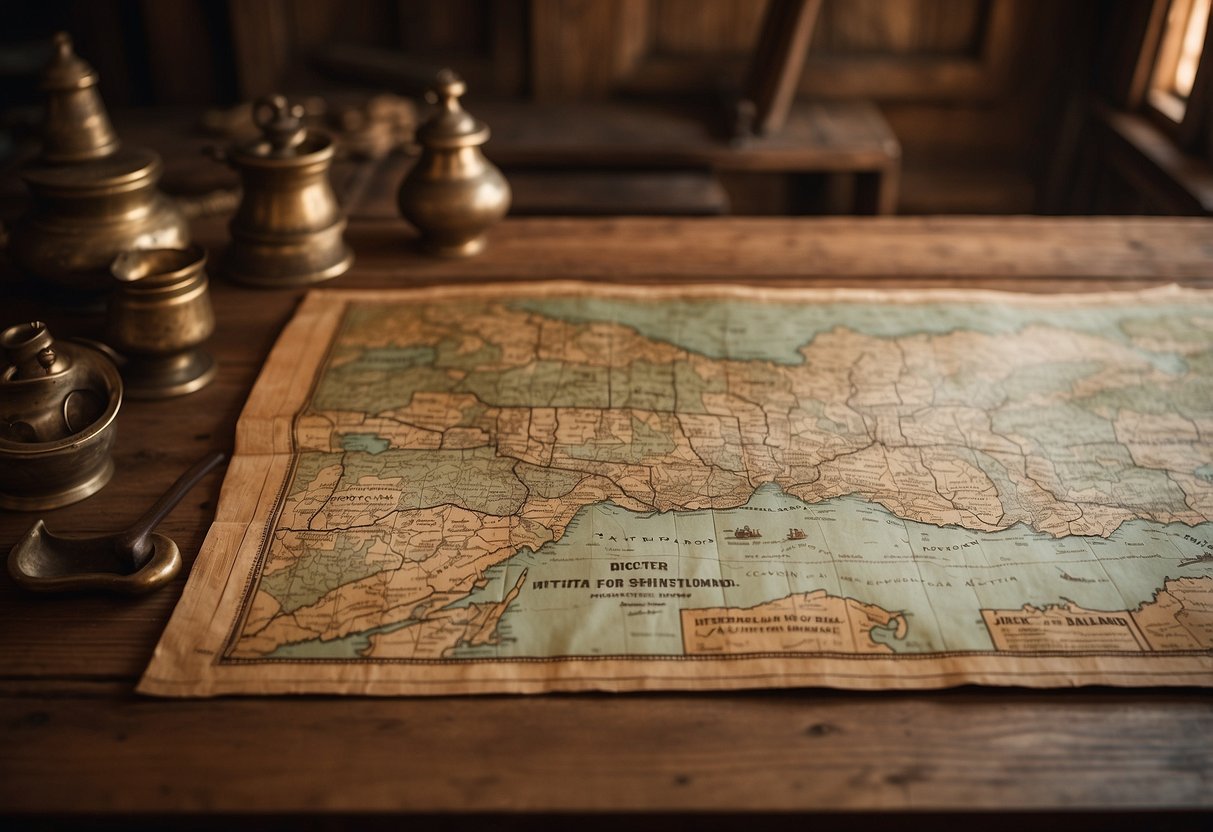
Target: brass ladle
[133,561]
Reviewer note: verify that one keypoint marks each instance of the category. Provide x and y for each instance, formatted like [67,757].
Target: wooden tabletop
[75,738]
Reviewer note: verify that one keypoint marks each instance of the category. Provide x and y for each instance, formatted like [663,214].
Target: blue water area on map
[370,443]
[748,329]
[1205,472]
[940,578]
[385,359]
[586,595]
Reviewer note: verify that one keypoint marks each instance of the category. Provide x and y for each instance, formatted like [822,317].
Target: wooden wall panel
[922,50]
[966,84]
[970,86]
[457,25]
[692,27]
[315,22]
[182,66]
[582,48]
[486,40]
[276,42]
[906,27]
[261,45]
[852,27]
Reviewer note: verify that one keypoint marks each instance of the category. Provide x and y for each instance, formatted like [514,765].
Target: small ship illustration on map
[796,534]
[1066,576]
[746,533]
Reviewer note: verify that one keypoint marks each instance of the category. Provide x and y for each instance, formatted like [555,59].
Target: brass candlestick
[288,228]
[159,316]
[453,194]
[92,198]
[58,402]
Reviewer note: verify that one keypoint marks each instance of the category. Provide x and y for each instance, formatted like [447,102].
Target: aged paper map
[571,486]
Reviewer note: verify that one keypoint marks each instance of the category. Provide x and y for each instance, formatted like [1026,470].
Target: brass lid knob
[76,126]
[451,126]
[281,125]
[30,350]
[285,141]
[67,70]
[45,395]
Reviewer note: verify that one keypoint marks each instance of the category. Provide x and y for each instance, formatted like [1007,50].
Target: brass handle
[137,539]
[210,204]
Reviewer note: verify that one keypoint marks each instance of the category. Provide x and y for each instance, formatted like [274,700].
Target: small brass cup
[160,314]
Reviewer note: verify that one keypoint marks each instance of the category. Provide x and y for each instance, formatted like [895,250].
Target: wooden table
[75,739]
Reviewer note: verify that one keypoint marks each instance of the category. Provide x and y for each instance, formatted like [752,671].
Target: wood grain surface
[74,738]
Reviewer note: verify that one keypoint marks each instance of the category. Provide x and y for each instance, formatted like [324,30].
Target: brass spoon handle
[136,540]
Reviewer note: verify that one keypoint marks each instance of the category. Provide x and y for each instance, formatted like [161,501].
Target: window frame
[1190,129]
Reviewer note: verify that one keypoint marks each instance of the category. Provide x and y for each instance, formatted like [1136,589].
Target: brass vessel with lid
[453,194]
[92,197]
[58,402]
[288,230]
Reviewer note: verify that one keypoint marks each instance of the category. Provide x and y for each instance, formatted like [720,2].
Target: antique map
[571,486]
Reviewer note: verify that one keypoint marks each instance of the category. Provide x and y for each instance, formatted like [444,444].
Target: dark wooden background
[988,98]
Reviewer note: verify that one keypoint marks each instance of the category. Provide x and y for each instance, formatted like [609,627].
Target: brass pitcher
[58,402]
[288,228]
[453,194]
[159,317]
[91,197]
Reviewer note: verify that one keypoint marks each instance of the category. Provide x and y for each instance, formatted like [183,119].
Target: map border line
[253,581]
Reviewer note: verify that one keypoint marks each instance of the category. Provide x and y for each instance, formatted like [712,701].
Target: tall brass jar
[453,194]
[91,198]
[289,226]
